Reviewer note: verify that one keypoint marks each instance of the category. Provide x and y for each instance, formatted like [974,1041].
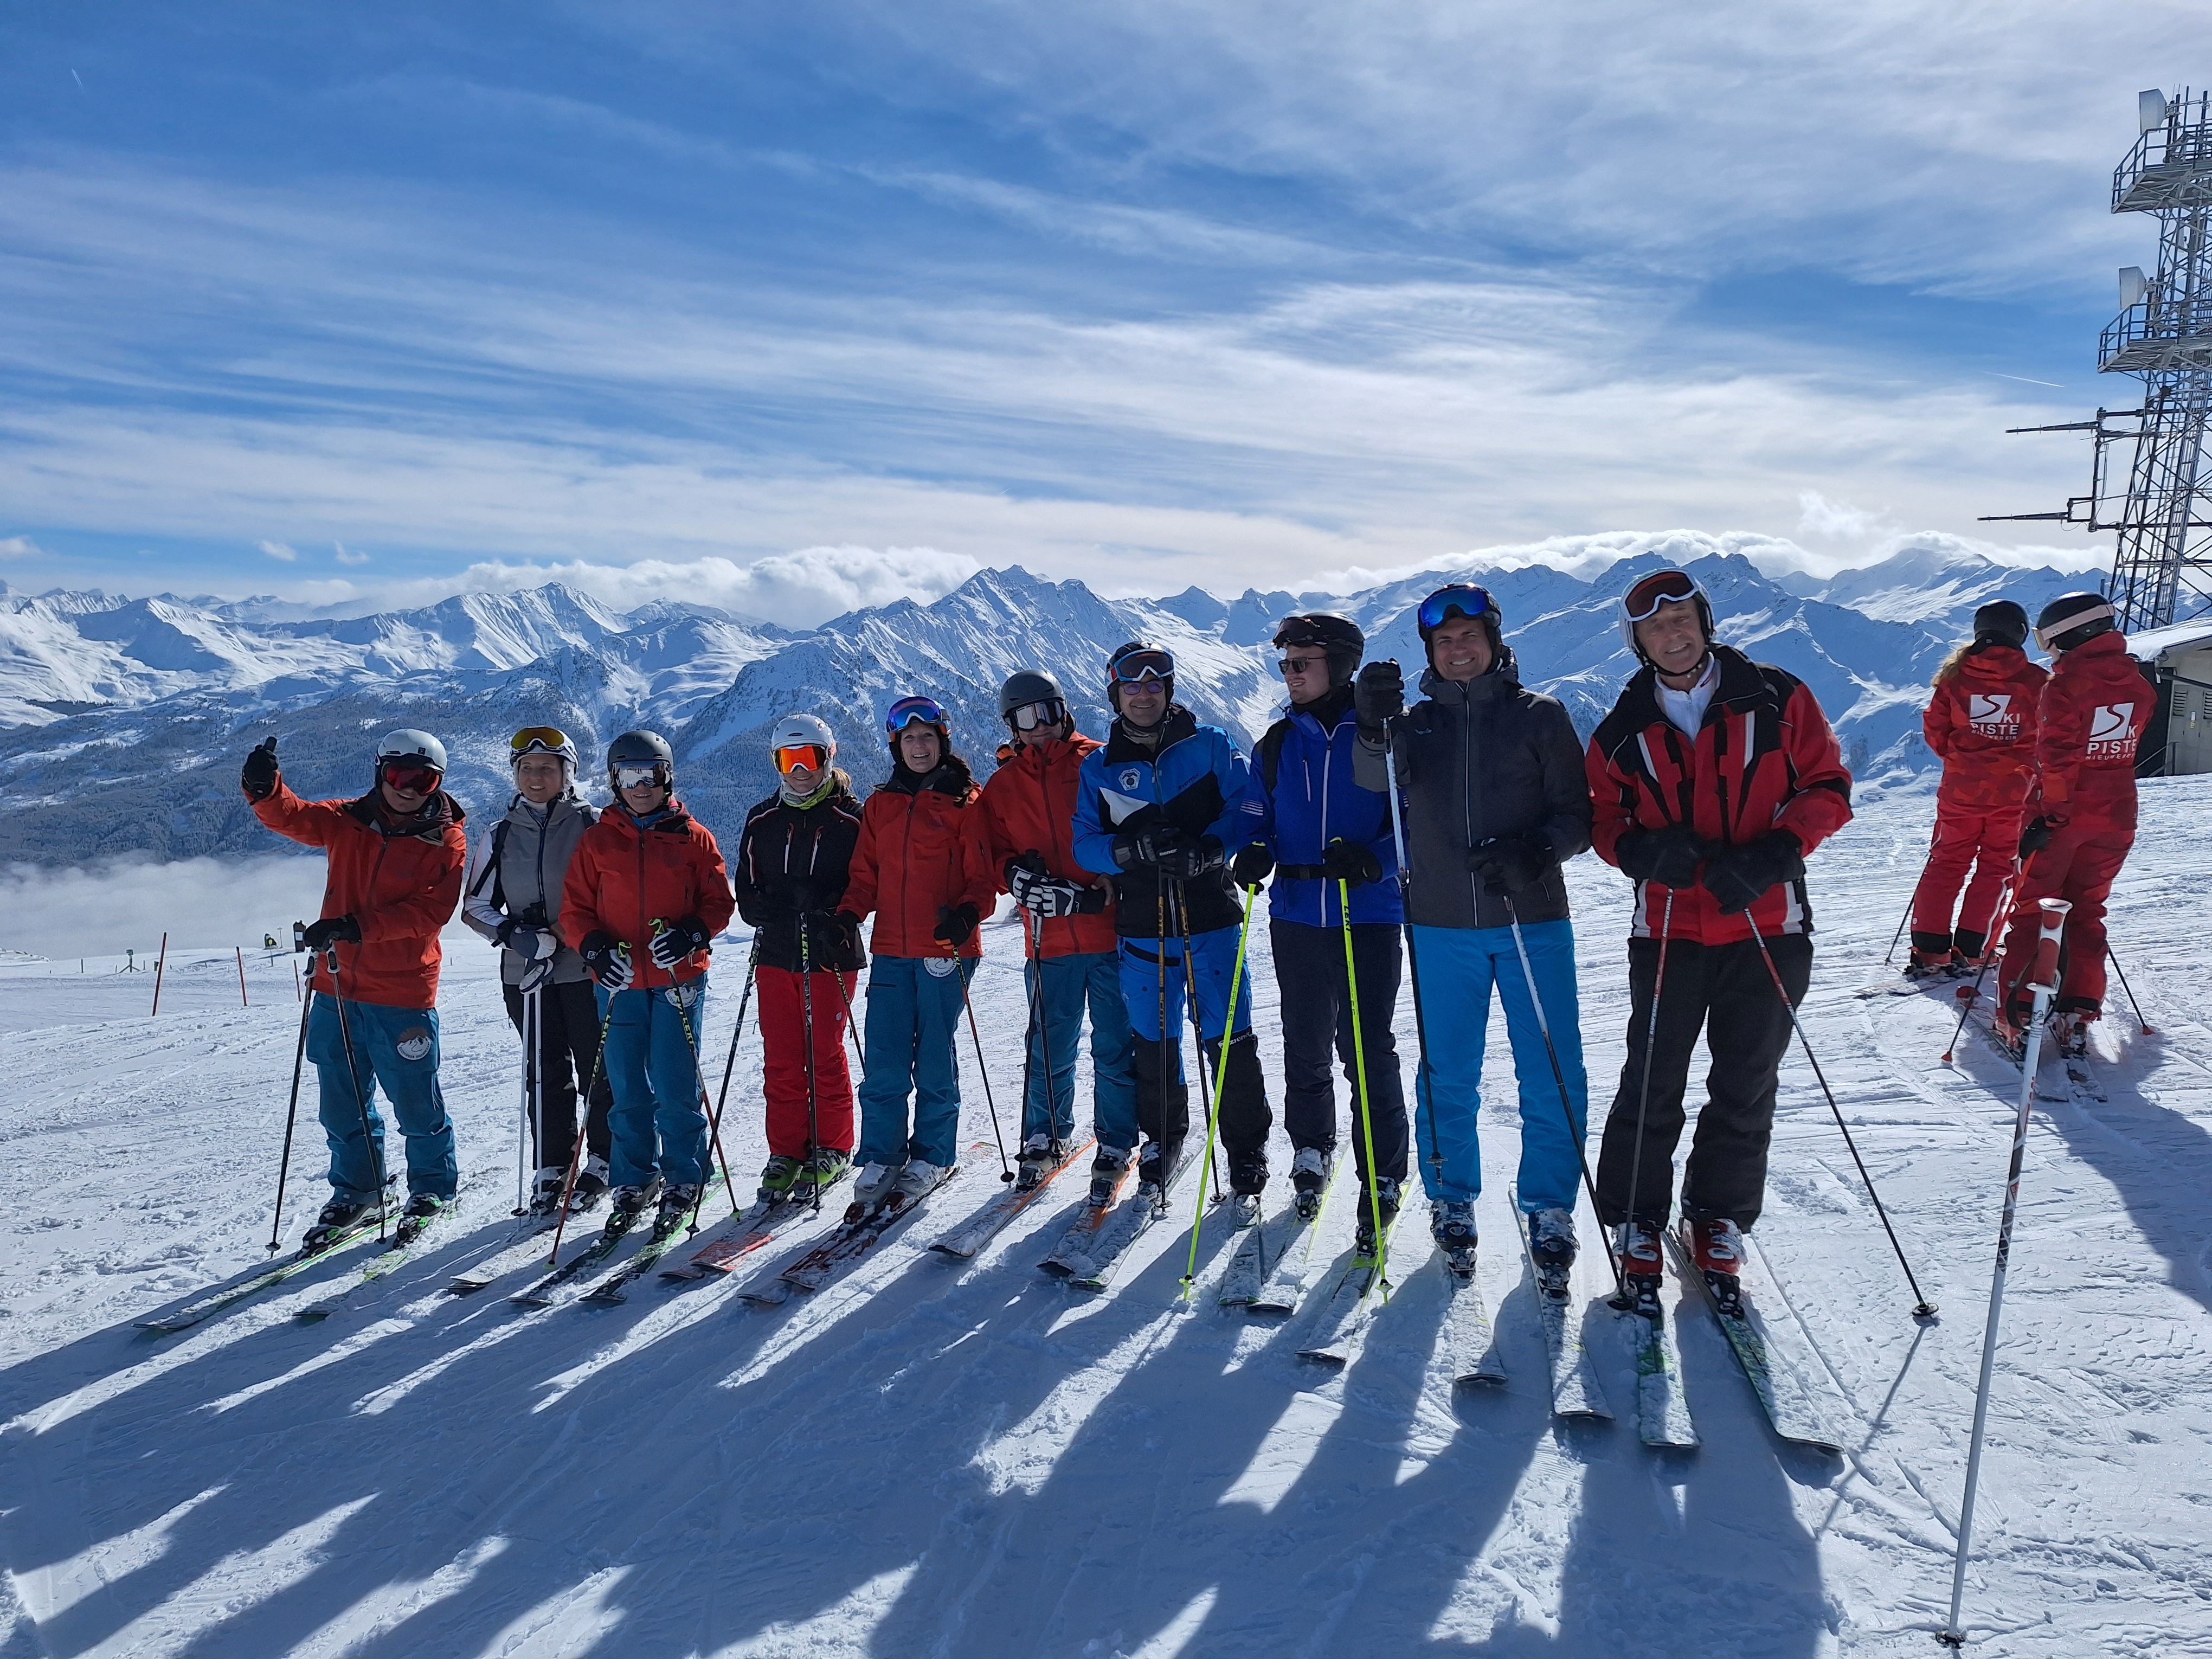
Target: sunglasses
[1462,599]
[798,757]
[411,780]
[1141,666]
[907,710]
[629,777]
[550,737]
[1290,665]
[1031,716]
[1661,587]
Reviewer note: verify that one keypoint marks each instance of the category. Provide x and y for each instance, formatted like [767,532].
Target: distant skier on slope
[922,868]
[1158,805]
[1319,824]
[1981,725]
[511,894]
[644,893]
[1712,779]
[1496,801]
[793,862]
[1028,810]
[2088,721]
[395,875]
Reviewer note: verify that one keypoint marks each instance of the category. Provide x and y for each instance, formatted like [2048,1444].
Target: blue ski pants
[396,1049]
[1152,985]
[652,1061]
[911,1027]
[1061,988]
[1458,966]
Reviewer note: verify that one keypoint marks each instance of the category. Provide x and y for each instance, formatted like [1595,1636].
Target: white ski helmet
[408,747]
[793,731]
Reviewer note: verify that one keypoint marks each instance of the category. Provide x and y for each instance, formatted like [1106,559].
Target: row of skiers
[1133,863]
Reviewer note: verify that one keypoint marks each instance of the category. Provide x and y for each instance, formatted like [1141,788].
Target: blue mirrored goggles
[907,710]
[1141,666]
[1461,598]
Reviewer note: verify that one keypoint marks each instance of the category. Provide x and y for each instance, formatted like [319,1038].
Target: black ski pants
[1317,1016]
[1164,1100]
[1725,991]
[567,1054]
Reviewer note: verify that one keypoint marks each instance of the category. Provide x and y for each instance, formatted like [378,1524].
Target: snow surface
[940,1458]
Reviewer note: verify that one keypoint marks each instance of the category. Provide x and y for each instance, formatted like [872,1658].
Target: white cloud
[339,551]
[20,547]
[278,551]
[103,909]
[1836,521]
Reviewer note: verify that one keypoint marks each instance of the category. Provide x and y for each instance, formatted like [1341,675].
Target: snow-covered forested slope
[938,1458]
[122,723]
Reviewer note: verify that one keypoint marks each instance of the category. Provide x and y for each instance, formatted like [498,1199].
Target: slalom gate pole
[1366,1101]
[2130,989]
[1922,1307]
[576,1150]
[1421,1071]
[1934,840]
[160,963]
[291,1116]
[960,969]
[1993,947]
[1221,1075]
[722,1099]
[1620,1299]
[2044,975]
[240,951]
[1559,1077]
[361,1100]
[1207,1097]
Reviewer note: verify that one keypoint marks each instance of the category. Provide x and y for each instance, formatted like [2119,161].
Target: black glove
[1092,900]
[826,934]
[1378,696]
[2037,835]
[329,930]
[1670,856]
[608,959]
[257,777]
[1737,874]
[1511,863]
[1252,866]
[1134,848]
[1041,894]
[1350,863]
[677,942]
[779,903]
[1187,860]
[955,925]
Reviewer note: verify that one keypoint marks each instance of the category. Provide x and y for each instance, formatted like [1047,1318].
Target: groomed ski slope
[941,1458]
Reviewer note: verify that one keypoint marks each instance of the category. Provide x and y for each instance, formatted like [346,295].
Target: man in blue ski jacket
[1155,809]
[1319,825]
[1495,799]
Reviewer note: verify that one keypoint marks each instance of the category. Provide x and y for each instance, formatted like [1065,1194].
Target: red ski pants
[1984,839]
[783,999]
[2079,866]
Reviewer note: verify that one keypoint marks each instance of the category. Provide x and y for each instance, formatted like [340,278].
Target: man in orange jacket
[395,878]
[1068,927]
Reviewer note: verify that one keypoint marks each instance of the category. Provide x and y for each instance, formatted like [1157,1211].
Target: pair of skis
[1093,1246]
[183,1318]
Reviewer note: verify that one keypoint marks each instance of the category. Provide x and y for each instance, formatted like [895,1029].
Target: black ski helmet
[2000,621]
[1163,670]
[642,749]
[1025,686]
[1461,599]
[2074,619]
[1338,636]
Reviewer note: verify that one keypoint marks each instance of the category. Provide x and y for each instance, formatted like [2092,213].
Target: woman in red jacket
[922,866]
[1981,725]
[645,892]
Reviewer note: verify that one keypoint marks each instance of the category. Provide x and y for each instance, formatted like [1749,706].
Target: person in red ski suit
[1981,725]
[2088,721]
[793,862]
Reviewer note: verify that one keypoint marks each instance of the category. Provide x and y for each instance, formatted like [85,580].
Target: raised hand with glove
[1737,874]
[608,959]
[1378,696]
[258,777]
[1512,864]
[332,930]
[1670,856]
[675,943]
[1252,866]
[529,944]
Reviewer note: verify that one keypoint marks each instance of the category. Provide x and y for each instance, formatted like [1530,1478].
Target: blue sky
[792,308]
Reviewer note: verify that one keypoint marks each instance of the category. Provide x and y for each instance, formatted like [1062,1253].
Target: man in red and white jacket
[1711,780]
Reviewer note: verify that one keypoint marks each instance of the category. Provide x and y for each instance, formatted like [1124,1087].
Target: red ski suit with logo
[1981,725]
[1029,807]
[2088,723]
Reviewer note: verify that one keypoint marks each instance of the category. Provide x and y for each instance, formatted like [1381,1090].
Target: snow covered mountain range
[122,721]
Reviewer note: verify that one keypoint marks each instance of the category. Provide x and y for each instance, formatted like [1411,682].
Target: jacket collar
[1500,681]
[1324,714]
[430,823]
[1178,724]
[1741,682]
[950,777]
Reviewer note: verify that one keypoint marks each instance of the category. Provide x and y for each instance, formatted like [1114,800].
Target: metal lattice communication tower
[2162,567]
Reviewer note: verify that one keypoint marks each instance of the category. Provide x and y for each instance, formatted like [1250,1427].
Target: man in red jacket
[1068,926]
[395,878]
[2090,717]
[1711,780]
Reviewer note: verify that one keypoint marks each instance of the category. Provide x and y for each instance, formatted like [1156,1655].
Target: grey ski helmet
[642,749]
[1025,686]
[2074,619]
[407,747]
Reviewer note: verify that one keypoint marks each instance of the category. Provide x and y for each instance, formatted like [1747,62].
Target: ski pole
[706,1107]
[2129,988]
[845,1000]
[576,1150]
[2044,975]
[960,967]
[361,1100]
[1558,1077]
[1934,840]
[1366,1102]
[1922,1307]
[1206,1096]
[291,1116]
[1412,957]
[1621,1300]
[1161,1046]
[722,1099]
[1032,980]
[2000,920]
[530,1121]
[1221,1078]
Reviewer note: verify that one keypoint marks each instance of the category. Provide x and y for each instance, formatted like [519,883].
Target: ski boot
[415,1221]
[1921,964]
[1551,1247]
[1155,1165]
[678,1201]
[2008,1026]
[872,1186]
[1107,1170]
[917,1182]
[545,1192]
[1717,1248]
[1642,1268]
[1971,951]
[1451,1223]
[1310,1173]
[593,1182]
[1040,1155]
[778,1178]
[824,1171]
[630,1203]
[2070,1031]
[1382,1206]
[338,1215]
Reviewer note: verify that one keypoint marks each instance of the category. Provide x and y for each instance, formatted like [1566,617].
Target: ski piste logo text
[1991,715]
[2113,733]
